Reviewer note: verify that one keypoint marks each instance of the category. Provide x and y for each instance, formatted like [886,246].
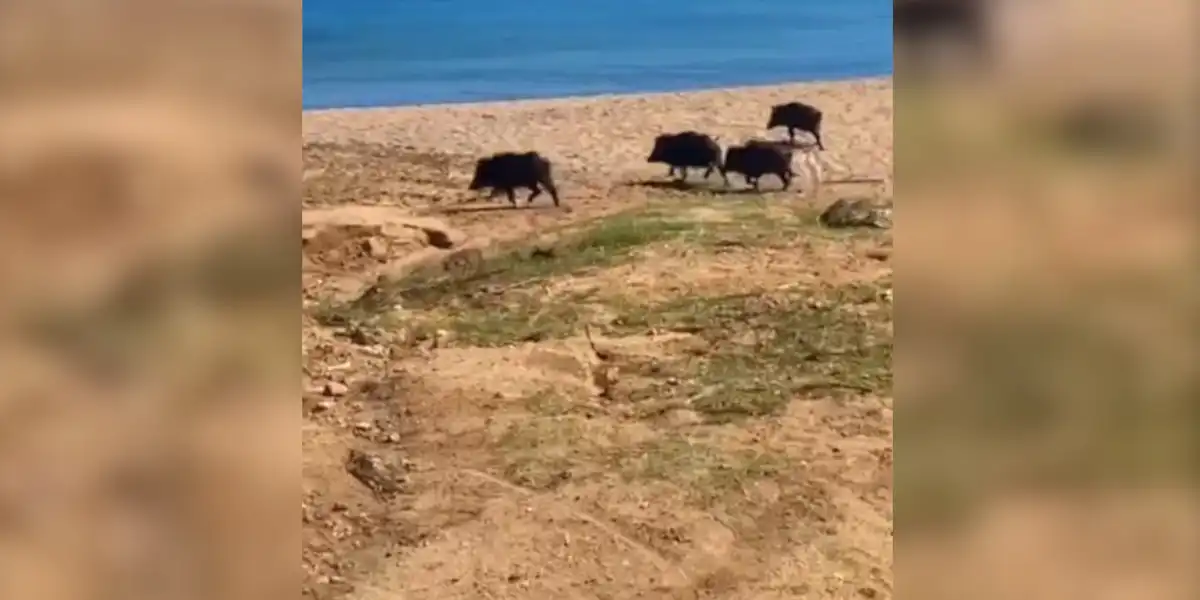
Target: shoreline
[597,96]
[599,136]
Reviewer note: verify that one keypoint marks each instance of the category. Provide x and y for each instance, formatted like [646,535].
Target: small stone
[363,426]
[855,212]
[376,248]
[441,338]
[323,406]
[682,417]
[375,473]
[360,336]
[402,337]
[393,438]
[335,389]
[463,261]
[439,239]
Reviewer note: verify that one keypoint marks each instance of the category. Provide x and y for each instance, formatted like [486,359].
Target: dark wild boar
[687,150]
[507,171]
[757,158]
[797,116]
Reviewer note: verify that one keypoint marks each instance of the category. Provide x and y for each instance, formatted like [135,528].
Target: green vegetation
[755,354]
[766,349]
[698,465]
[760,350]
[607,243]
[548,451]
[650,421]
[478,299]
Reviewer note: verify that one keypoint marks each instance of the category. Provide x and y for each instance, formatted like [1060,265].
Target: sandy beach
[509,403]
[418,159]
[609,135]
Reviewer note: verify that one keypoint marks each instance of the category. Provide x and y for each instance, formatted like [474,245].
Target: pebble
[335,389]
[376,248]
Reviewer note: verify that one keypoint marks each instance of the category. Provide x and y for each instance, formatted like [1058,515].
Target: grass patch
[502,303]
[348,314]
[548,403]
[758,352]
[698,466]
[767,349]
[607,243]
[543,452]
[485,304]
[493,322]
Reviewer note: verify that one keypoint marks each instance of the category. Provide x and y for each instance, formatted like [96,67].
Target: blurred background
[1048,299]
[149,221]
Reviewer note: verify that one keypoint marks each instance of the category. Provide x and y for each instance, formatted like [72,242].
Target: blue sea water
[402,52]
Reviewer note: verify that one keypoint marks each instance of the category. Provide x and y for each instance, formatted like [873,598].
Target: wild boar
[756,158]
[507,171]
[685,150]
[797,116]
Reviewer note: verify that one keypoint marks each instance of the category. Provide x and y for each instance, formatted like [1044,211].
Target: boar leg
[537,191]
[550,187]
[724,175]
